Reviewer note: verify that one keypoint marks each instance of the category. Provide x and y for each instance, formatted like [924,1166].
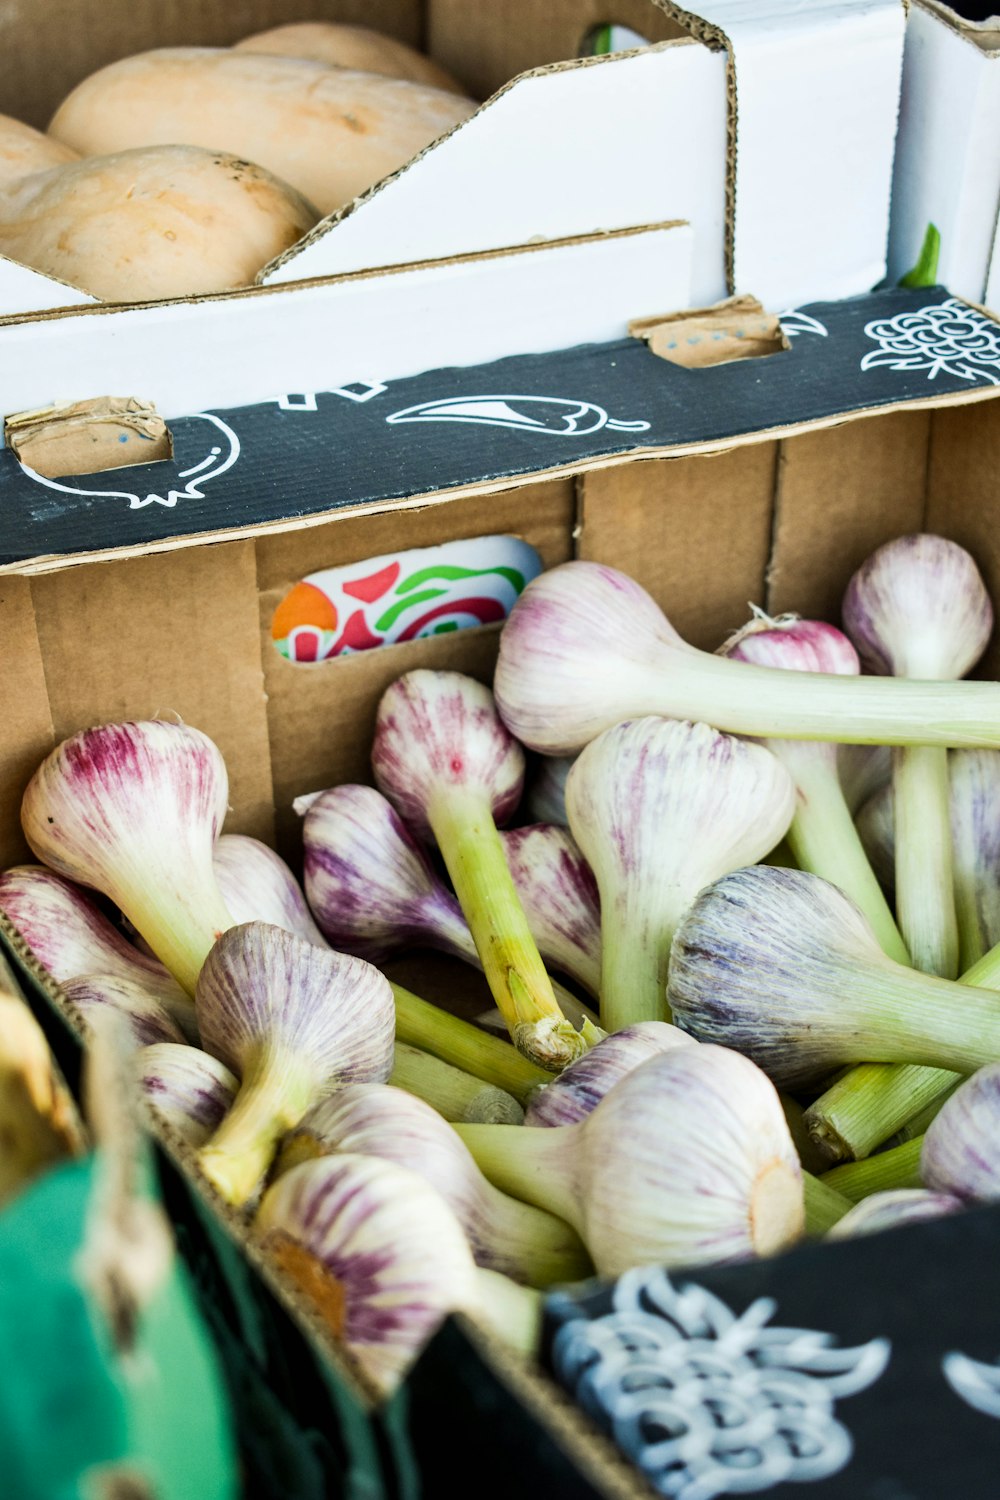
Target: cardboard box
[947,170]
[566,146]
[803,462]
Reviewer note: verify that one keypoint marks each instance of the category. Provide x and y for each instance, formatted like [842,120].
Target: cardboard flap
[738,328]
[815,96]
[108,432]
[23,290]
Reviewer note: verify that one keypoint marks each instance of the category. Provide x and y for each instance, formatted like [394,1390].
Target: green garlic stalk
[898,1167]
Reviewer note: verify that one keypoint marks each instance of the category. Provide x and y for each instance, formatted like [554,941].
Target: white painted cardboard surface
[24,291]
[948,157]
[817,95]
[231,351]
[632,139]
[991,297]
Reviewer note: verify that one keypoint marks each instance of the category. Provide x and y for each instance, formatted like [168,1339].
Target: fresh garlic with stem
[94,995]
[822,836]
[824,1205]
[455,1094]
[294,1022]
[384,1261]
[70,936]
[961,1154]
[782,966]
[887,1171]
[578,1090]
[686,1161]
[191,1089]
[133,810]
[559,896]
[890,1210]
[257,886]
[523,1242]
[660,809]
[461,1044]
[545,789]
[451,769]
[918,608]
[560,682]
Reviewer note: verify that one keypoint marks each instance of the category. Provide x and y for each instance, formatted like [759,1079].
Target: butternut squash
[355,47]
[24,150]
[164,221]
[330,132]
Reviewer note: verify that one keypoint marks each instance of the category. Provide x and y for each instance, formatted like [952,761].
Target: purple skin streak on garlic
[257,886]
[370,884]
[559,896]
[437,731]
[190,1088]
[70,936]
[794,645]
[961,1151]
[94,995]
[581,1087]
[891,1210]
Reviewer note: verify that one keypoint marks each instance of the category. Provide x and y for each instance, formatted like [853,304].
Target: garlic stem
[897,1168]
[825,1206]
[462,823]
[456,1095]
[457,1042]
[924,880]
[528,1162]
[870,1103]
[274,1095]
[510,1312]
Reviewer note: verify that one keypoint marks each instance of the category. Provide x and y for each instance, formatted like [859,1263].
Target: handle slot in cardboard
[88,437]
[738,328]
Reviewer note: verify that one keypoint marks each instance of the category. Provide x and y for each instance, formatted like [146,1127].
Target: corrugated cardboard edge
[592,1453]
[55,562]
[977,33]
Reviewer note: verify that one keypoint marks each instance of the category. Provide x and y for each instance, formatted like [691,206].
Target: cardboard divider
[695,532]
[26,730]
[174,634]
[81,36]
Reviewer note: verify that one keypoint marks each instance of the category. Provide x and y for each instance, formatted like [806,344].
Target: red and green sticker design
[425,591]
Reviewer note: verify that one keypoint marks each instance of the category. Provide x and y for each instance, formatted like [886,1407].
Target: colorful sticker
[425,591]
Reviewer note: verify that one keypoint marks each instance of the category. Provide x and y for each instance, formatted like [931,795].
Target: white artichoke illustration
[949,338]
[706,1402]
[793,322]
[976,1383]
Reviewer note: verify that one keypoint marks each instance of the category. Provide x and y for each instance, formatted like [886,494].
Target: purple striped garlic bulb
[257,886]
[891,1209]
[578,1090]
[94,995]
[371,886]
[70,936]
[190,1089]
[384,1261]
[133,810]
[451,769]
[523,1242]
[293,1022]
[661,808]
[961,1151]
[686,1161]
[560,900]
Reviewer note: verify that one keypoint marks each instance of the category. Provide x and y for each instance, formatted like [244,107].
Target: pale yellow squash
[164,221]
[351,47]
[24,150]
[330,132]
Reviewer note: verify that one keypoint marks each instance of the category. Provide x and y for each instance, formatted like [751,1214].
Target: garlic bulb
[257,886]
[890,1210]
[660,809]
[70,936]
[782,966]
[822,836]
[133,810]
[559,896]
[452,771]
[147,1020]
[863,770]
[191,1089]
[686,1161]
[523,1242]
[918,608]
[960,1153]
[560,680]
[875,830]
[383,1259]
[294,1022]
[579,1089]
